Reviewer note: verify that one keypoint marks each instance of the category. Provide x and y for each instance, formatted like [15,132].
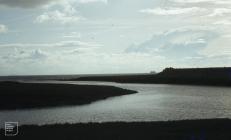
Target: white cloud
[72,3]
[177,43]
[172,11]
[61,44]
[57,16]
[203,1]
[3,28]
[39,61]
[78,44]
[90,1]
[211,13]
[218,47]
[106,23]
[60,12]
[72,35]
[37,54]
[191,1]
[220,12]
[21,55]
[35,58]
[76,63]
[223,22]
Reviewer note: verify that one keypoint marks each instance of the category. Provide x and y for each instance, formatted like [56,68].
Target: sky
[44,37]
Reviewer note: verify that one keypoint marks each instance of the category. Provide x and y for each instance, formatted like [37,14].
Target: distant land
[57,77]
[15,95]
[216,76]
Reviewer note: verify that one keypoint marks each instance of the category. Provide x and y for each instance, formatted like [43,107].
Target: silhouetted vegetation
[213,129]
[193,76]
[14,95]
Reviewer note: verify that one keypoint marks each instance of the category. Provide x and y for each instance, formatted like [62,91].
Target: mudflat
[15,95]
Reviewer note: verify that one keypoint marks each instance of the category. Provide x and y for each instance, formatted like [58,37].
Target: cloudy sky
[112,36]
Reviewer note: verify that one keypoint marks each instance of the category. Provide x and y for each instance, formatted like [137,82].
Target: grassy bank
[14,95]
[213,129]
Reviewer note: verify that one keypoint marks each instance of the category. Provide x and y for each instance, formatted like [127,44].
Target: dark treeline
[14,95]
[194,76]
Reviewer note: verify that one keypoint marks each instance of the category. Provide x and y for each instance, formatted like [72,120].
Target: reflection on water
[152,103]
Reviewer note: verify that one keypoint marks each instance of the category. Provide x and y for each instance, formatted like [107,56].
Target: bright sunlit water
[153,102]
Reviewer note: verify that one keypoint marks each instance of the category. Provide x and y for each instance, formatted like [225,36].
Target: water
[153,103]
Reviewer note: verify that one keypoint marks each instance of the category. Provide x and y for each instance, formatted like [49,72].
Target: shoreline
[15,95]
[206,129]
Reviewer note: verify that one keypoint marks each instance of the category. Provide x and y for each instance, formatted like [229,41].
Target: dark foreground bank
[14,95]
[188,76]
[213,129]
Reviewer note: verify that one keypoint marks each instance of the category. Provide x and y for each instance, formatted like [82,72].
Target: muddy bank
[14,95]
[212,129]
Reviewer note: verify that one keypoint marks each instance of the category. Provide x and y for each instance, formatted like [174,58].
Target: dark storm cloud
[24,3]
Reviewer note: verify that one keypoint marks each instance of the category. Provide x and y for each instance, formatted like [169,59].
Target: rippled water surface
[151,103]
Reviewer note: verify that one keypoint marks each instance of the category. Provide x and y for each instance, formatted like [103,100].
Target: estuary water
[153,102]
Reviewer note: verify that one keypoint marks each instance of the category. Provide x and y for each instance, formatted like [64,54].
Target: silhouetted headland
[14,95]
[211,129]
[191,76]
